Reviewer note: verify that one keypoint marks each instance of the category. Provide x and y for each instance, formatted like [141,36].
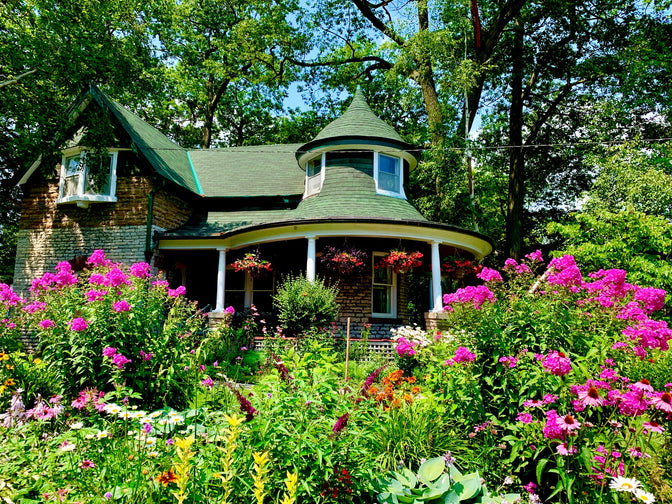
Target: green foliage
[435,482]
[303,304]
[629,240]
[153,326]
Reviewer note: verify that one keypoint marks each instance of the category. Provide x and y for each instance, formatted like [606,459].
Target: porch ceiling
[477,244]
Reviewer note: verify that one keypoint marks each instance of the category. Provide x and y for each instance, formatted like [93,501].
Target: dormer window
[78,186]
[388,174]
[314,175]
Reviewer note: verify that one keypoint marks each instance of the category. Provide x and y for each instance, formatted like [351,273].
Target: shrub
[303,304]
[113,325]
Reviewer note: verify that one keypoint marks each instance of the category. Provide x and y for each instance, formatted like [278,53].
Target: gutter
[150,218]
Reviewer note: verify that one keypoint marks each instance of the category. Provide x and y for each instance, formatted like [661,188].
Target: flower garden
[545,385]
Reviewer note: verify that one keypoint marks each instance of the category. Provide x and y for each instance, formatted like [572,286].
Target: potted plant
[400,261]
[252,263]
[344,261]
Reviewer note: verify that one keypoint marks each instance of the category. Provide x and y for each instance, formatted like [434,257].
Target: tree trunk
[516,197]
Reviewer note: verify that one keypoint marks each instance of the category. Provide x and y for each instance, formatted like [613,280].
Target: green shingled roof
[166,157]
[358,121]
[262,170]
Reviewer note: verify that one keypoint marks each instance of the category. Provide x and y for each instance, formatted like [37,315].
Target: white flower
[643,496]
[112,409]
[125,414]
[102,434]
[153,454]
[155,414]
[622,484]
[138,414]
[67,446]
[76,425]
[150,441]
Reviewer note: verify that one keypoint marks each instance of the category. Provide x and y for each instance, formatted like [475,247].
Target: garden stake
[347,348]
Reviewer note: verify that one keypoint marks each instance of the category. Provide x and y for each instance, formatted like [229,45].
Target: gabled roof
[167,158]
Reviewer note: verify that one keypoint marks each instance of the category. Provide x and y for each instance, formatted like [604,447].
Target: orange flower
[380,397]
[408,398]
[396,403]
[372,391]
[166,478]
[415,390]
[9,382]
[411,379]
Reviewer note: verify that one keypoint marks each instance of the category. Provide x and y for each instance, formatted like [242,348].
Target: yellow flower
[10,382]
[37,361]
[292,483]
[3,356]
[234,420]
[260,461]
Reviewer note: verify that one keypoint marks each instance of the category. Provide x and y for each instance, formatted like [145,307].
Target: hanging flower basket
[400,261]
[252,263]
[344,261]
[459,268]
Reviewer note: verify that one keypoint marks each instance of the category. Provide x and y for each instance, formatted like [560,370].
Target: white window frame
[400,165]
[81,198]
[317,188]
[391,288]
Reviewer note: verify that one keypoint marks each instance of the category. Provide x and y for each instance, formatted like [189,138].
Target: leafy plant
[303,304]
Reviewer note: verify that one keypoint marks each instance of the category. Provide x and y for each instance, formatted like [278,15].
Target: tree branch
[16,79]
[365,8]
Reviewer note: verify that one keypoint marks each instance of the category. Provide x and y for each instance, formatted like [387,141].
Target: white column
[436,278]
[221,276]
[310,261]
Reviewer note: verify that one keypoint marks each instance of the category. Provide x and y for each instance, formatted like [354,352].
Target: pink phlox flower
[650,333]
[533,403]
[462,354]
[651,299]
[97,279]
[550,398]
[512,265]
[64,277]
[531,487]
[43,283]
[180,291]
[115,277]
[46,324]
[632,311]
[121,306]
[565,272]
[490,275]
[563,450]
[552,429]
[120,360]
[476,295]
[509,361]
[97,259]
[145,356]
[535,256]
[230,310]
[568,423]
[109,352]
[94,295]
[557,363]
[207,382]
[79,324]
[10,298]
[406,347]
[632,403]
[160,283]
[34,307]
[140,270]
[525,418]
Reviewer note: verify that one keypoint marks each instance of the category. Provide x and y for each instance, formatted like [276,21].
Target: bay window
[77,183]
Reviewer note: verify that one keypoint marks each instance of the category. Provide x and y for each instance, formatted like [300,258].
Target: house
[193,212]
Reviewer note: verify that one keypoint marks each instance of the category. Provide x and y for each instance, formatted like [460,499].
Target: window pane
[70,185]
[389,178]
[235,280]
[382,276]
[381,299]
[314,167]
[235,299]
[102,183]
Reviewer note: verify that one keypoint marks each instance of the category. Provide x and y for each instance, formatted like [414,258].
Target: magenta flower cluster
[117,358]
[477,296]
[462,355]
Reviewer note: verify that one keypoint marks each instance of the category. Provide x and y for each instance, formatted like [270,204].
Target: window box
[76,185]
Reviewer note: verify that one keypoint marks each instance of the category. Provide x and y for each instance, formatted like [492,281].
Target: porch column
[436,278]
[310,261]
[221,276]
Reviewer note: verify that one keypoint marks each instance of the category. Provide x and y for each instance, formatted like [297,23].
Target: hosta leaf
[431,469]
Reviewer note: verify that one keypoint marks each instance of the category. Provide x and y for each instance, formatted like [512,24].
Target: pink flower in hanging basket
[252,263]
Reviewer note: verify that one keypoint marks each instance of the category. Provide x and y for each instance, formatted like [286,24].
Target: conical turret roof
[358,121]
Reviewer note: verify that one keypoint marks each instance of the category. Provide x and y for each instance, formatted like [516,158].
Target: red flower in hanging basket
[345,261]
[400,261]
[252,263]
